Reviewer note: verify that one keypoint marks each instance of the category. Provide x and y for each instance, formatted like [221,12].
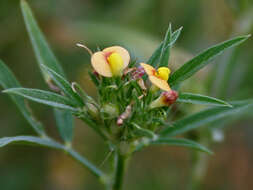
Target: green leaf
[204,117]
[201,99]
[98,128]
[92,168]
[155,56]
[143,132]
[153,60]
[82,93]
[41,48]
[47,142]
[175,35]
[44,97]
[93,78]
[198,62]
[165,52]
[30,140]
[65,124]
[180,142]
[63,84]
[8,80]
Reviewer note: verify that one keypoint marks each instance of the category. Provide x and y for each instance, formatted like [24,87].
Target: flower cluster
[123,87]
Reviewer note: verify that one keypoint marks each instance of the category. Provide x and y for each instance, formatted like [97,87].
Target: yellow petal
[160,83]
[163,73]
[148,69]
[121,51]
[116,64]
[100,64]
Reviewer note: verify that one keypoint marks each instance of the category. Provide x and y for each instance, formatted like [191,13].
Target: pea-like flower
[158,77]
[165,99]
[110,61]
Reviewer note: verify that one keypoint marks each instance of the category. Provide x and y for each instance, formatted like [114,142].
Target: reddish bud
[138,73]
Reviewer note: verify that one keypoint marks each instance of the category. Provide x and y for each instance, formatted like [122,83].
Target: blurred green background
[138,25]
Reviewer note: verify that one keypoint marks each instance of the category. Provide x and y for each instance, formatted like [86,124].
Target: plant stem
[120,171]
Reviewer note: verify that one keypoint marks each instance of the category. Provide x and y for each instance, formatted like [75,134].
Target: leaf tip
[5,91]
[245,37]
[229,105]
[249,35]
[9,90]
[211,153]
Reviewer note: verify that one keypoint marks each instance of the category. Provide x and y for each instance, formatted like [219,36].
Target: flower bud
[138,73]
[165,99]
[110,110]
[92,110]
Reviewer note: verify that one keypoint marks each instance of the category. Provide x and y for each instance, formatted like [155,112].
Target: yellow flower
[110,61]
[158,78]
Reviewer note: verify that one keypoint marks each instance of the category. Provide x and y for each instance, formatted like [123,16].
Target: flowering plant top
[133,105]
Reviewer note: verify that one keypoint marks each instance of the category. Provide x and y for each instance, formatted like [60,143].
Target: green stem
[120,171]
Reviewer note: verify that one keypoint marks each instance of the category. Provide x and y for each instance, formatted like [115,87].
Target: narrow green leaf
[165,52]
[99,129]
[175,35]
[44,97]
[143,132]
[153,60]
[8,80]
[65,124]
[201,99]
[155,56]
[83,94]
[198,62]
[30,140]
[181,142]
[47,142]
[63,84]
[94,78]
[204,117]
[41,48]
[92,168]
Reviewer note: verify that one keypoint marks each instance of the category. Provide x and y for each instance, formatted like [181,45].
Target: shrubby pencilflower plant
[128,114]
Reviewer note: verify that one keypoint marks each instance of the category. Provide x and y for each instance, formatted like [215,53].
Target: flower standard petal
[148,69]
[100,64]
[121,51]
[160,83]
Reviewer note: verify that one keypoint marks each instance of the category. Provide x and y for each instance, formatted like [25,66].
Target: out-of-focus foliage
[138,25]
